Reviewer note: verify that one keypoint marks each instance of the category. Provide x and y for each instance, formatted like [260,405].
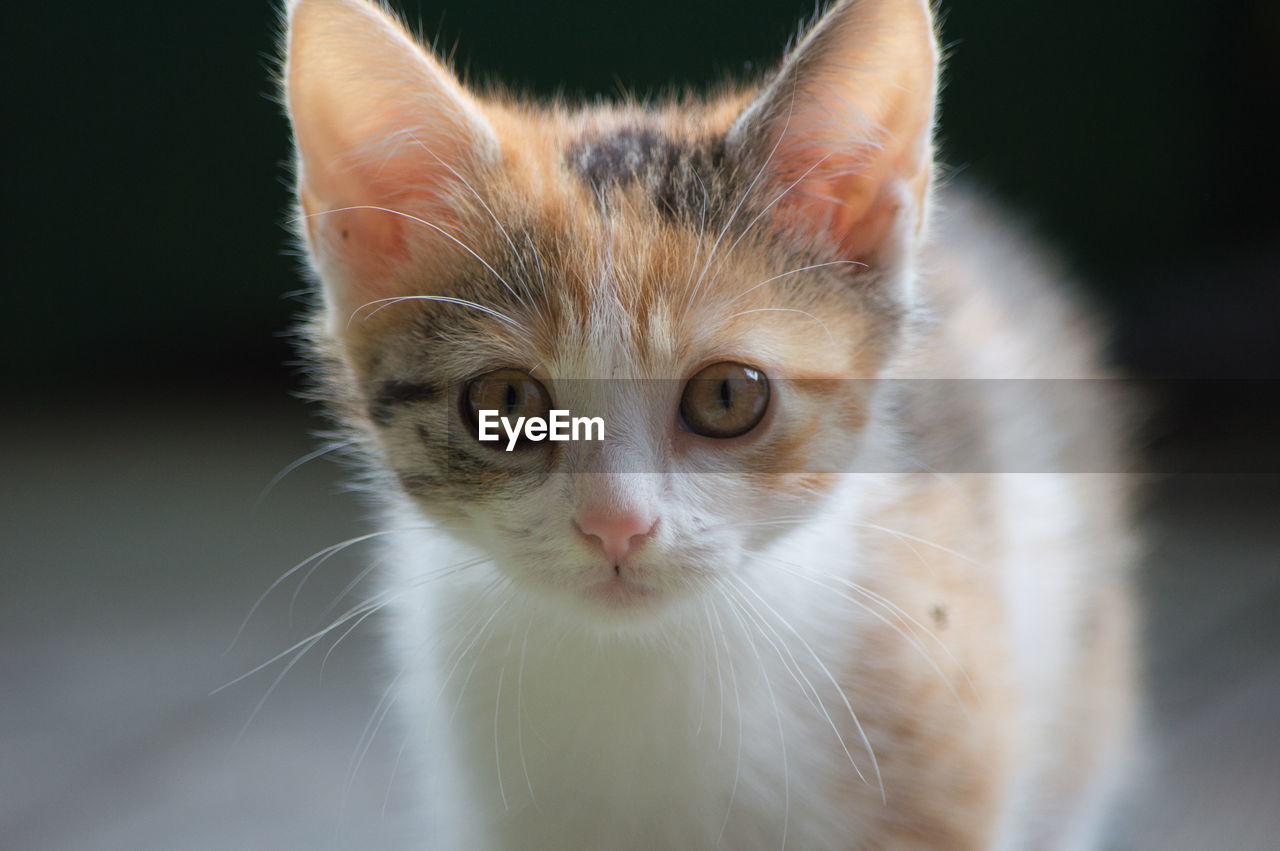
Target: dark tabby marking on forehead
[392,394]
[678,175]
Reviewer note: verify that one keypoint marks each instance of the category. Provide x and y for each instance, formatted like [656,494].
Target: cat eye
[725,399]
[511,392]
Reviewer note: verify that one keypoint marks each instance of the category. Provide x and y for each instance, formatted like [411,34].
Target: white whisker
[289,468]
[351,586]
[325,659]
[271,688]
[371,727]
[715,648]
[323,554]
[835,684]
[742,200]
[791,272]
[524,766]
[395,768]
[497,749]
[821,707]
[737,697]
[770,206]
[904,618]
[825,329]
[478,633]
[777,714]
[463,180]
[424,223]
[444,299]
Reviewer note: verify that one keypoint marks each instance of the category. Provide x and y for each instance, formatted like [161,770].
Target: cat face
[634,309]
[702,277]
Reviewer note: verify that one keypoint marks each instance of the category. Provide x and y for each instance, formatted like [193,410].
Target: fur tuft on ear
[843,132]
[384,133]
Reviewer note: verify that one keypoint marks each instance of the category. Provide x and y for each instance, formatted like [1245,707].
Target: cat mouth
[621,593]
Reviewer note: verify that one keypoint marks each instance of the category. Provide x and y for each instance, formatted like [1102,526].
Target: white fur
[632,740]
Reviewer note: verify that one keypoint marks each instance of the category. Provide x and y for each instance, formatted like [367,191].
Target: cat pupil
[726,395]
[512,401]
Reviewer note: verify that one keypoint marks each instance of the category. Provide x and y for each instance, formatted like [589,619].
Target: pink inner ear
[368,187]
[373,223]
[857,212]
[376,119]
[852,112]
[367,243]
[856,195]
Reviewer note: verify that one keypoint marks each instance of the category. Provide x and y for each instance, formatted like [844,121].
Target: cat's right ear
[841,138]
[384,135]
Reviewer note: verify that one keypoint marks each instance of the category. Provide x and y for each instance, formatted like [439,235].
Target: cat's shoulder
[1002,301]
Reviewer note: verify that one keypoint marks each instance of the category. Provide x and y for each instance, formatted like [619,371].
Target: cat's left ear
[842,135]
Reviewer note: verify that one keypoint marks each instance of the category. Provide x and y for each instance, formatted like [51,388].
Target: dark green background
[147,192]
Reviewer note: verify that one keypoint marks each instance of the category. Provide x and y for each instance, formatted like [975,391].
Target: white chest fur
[726,726]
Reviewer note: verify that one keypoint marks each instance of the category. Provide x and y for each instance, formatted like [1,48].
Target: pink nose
[618,534]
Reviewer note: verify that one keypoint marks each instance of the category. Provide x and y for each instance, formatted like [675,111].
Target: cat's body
[679,637]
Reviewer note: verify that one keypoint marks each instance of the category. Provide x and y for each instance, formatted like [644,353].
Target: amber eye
[511,392]
[725,400]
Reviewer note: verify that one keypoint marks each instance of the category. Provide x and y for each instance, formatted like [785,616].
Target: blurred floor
[134,545]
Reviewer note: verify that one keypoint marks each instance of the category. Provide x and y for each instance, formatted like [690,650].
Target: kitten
[746,618]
